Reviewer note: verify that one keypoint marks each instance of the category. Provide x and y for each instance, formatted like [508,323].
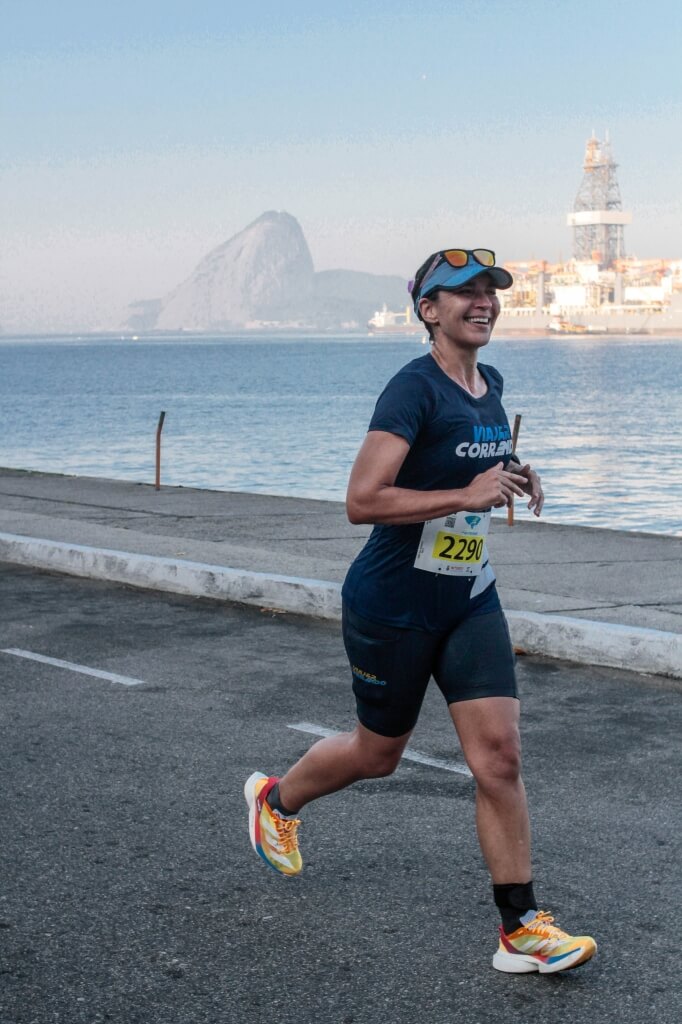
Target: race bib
[454,545]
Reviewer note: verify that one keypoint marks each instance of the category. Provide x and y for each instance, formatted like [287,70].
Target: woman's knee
[497,761]
[380,764]
[379,756]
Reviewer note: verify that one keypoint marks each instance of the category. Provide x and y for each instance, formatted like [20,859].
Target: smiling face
[465,316]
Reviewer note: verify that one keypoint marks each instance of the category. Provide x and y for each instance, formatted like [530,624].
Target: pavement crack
[248,517]
[585,561]
[605,607]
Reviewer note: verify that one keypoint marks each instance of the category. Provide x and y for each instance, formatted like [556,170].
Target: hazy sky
[138,136]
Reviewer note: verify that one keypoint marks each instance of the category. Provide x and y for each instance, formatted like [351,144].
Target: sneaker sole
[250,797]
[519,963]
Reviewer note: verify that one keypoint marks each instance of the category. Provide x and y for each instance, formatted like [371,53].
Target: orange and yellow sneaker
[273,836]
[538,945]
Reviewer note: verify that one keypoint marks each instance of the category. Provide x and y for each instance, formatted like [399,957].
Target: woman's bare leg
[488,730]
[338,761]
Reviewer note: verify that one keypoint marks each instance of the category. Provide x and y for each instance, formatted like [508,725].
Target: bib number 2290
[454,545]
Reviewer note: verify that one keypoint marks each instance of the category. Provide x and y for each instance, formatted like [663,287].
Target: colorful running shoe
[538,945]
[273,836]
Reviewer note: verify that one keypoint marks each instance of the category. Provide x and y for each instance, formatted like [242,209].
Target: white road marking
[408,754]
[111,677]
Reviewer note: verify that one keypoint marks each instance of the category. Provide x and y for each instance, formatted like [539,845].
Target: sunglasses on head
[460,258]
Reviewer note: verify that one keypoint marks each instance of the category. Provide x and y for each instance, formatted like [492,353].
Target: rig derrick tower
[598,218]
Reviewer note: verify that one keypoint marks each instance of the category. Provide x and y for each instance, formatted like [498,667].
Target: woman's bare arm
[372,496]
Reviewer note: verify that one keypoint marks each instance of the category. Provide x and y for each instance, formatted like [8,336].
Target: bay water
[601,416]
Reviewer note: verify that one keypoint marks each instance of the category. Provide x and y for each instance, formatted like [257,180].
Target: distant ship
[557,326]
[608,318]
[580,297]
[385,321]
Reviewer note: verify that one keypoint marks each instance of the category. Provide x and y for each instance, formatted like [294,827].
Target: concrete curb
[174,575]
[597,643]
[556,636]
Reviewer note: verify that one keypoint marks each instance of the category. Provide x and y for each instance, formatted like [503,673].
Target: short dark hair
[418,278]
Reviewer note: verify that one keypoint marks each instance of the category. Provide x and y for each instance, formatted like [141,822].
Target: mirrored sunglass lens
[456,257]
[485,257]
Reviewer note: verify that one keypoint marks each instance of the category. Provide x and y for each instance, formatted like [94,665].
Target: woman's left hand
[532,487]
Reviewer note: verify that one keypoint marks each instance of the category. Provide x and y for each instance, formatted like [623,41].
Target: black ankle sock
[275,804]
[513,901]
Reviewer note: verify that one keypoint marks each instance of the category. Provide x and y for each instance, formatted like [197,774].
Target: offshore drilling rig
[600,290]
[598,218]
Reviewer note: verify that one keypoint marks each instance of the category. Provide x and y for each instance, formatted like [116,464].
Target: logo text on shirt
[488,442]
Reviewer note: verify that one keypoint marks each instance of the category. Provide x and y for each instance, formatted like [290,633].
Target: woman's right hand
[495,487]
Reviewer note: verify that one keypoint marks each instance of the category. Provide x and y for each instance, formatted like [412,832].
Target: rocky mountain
[264,277]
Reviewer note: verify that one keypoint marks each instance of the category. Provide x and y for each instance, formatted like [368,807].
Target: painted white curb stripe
[556,636]
[408,754]
[174,575]
[597,643]
[111,677]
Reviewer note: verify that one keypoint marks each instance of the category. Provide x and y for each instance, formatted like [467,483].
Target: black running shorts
[391,666]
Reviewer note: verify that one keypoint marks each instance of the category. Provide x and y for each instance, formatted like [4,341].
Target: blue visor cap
[445,276]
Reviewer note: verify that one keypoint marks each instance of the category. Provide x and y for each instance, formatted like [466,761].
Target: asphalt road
[130,892]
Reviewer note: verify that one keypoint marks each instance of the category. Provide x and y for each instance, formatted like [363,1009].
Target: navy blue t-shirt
[453,437]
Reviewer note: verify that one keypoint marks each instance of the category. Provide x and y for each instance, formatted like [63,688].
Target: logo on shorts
[367,677]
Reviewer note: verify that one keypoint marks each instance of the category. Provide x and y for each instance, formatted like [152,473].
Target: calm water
[601,417]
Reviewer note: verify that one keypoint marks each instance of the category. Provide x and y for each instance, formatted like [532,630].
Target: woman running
[420,601]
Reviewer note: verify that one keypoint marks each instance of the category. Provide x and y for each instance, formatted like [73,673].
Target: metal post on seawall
[158,450]
[515,437]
